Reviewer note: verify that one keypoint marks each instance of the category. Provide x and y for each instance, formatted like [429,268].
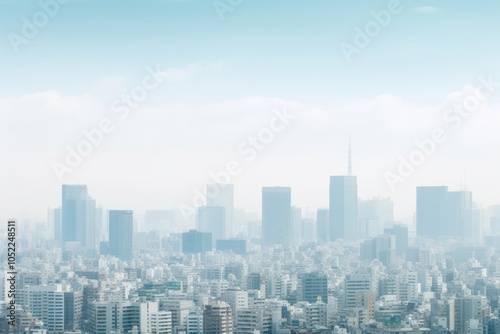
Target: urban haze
[249,167]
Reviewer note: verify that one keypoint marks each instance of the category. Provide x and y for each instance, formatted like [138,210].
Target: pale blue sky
[285,48]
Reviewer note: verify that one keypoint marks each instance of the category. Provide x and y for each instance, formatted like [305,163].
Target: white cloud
[160,153]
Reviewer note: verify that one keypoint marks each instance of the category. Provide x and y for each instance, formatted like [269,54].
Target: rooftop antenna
[349,159]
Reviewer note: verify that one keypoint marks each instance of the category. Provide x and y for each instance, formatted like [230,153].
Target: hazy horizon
[224,80]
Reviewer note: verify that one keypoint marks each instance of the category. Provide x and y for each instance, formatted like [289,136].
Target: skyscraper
[431,210]
[375,215]
[459,205]
[55,220]
[121,234]
[276,216]
[322,226]
[400,232]
[344,208]
[212,219]
[196,242]
[220,194]
[78,215]
[443,213]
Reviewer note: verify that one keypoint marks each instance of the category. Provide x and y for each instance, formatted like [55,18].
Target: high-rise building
[344,208]
[212,219]
[78,217]
[276,216]
[322,226]
[57,306]
[374,215]
[121,234]
[382,248]
[312,287]
[460,220]
[217,319]
[238,246]
[470,310]
[196,242]
[296,228]
[400,232]
[443,213]
[55,219]
[431,210]
[221,194]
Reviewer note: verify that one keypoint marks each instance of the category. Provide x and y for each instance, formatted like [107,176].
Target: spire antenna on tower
[349,159]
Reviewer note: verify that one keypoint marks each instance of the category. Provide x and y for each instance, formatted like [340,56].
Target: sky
[235,70]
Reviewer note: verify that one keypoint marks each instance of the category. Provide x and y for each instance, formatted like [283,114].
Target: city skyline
[224,97]
[249,167]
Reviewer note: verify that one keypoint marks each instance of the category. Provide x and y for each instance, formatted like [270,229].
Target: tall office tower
[78,213]
[443,213]
[99,226]
[322,226]
[312,287]
[212,219]
[375,215]
[400,232]
[217,319]
[276,216]
[196,242]
[220,194]
[121,234]
[296,228]
[308,230]
[470,311]
[459,204]
[431,211]
[344,208]
[55,221]
[382,248]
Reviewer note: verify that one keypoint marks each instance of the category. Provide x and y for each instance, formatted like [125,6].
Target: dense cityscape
[348,268]
[249,167]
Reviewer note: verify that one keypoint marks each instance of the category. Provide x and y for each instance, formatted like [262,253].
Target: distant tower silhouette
[343,209]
